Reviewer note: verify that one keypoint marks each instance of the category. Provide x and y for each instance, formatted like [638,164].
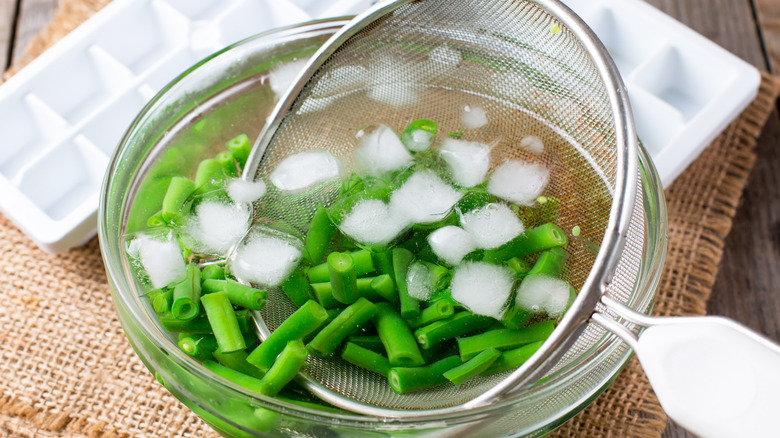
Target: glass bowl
[228,94]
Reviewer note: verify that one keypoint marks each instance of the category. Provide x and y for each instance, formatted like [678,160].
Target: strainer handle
[713,376]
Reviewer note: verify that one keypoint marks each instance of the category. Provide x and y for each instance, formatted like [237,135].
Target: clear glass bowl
[226,95]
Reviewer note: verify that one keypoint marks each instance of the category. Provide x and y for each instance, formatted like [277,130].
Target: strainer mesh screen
[429,59]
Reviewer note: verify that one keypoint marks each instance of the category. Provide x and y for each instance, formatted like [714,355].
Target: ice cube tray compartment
[63,114]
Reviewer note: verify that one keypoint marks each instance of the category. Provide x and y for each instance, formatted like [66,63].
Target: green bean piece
[365,358]
[436,311]
[397,337]
[369,342]
[459,324]
[240,147]
[156,220]
[245,322]
[348,321]
[383,286]
[198,325]
[245,296]
[212,272]
[410,306]
[237,360]
[550,262]
[409,379]
[439,275]
[515,317]
[534,240]
[211,285]
[343,277]
[512,359]
[200,346]
[161,299]
[223,321]
[303,321]
[503,339]
[520,267]
[297,288]
[364,265]
[209,176]
[285,368]
[320,234]
[323,292]
[228,162]
[419,141]
[175,203]
[237,377]
[186,295]
[383,260]
[474,367]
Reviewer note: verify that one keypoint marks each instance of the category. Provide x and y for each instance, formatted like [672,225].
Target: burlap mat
[67,370]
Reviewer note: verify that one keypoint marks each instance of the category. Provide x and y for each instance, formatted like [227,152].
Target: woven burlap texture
[67,370]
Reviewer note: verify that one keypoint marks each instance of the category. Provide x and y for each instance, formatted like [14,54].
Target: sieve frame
[613,242]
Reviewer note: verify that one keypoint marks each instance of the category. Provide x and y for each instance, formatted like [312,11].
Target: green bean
[409,379]
[365,358]
[383,286]
[364,265]
[320,234]
[212,272]
[383,260]
[245,296]
[326,341]
[237,377]
[373,289]
[459,324]
[410,306]
[161,299]
[237,360]
[397,337]
[240,147]
[369,342]
[512,359]
[285,368]
[323,292]
[156,220]
[228,162]
[297,288]
[198,325]
[209,176]
[343,277]
[223,321]
[473,367]
[200,346]
[303,321]
[211,285]
[175,203]
[245,322]
[550,262]
[504,339]
[534,240]
[186,295]
[436,311]
[520,267]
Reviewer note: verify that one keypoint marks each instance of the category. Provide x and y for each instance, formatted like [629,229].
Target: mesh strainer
[537,70]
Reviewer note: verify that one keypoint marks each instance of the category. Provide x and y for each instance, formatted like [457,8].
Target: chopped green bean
[297,288]
[369,342]
[245,296]
[512,359]
[365,358]
[199,325]
[175,203]
[397,337]
[212,272]
[329,338]
[285,368]
[410,306]
[186,295]
[459,324]
[343,277]
[323,292]
[209,176]
[240,147]
[520,267]
[200,346]
[211,285]
[383,286]
[320,234]
[237,360]
[161,299]
[303,321]
[228,162]
[550,262]
[504,339]
[223,321]
[436,311]
[364,265]
[383,260]
[473,367]
[409,379]
[237,377]
[534,240]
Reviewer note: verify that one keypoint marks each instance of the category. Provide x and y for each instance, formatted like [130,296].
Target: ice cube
[543,294]
[372,222]
[240,190]
[381,152]
[305,169]
[265,257]
[216,227]
[533,144]
[468,161]
[519,182]
[451,244]
[418,281]
[473,117]
[281,77]
[483,288]
[492,225]
[162,259]
[424,198]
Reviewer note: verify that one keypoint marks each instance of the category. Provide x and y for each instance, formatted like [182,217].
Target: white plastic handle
[713,376]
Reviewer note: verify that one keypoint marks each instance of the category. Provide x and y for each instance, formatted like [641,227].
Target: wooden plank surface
[33,16]
[7,15]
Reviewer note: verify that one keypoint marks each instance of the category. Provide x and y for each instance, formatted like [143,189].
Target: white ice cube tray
[62,115]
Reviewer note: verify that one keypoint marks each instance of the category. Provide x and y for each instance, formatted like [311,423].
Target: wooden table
[748,285]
